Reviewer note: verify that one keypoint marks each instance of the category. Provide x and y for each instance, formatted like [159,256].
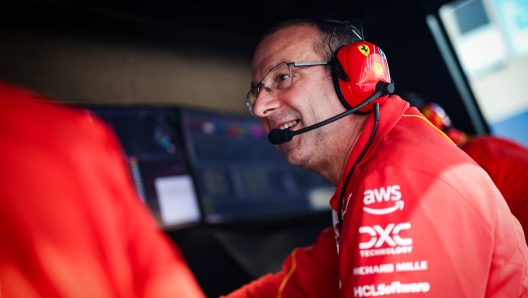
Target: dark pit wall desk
[256,208]
[223,258]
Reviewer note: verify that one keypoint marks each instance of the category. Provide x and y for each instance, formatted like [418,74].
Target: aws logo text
[383,194]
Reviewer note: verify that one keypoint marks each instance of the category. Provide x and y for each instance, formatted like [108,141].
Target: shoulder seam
[287,277]
[430,124]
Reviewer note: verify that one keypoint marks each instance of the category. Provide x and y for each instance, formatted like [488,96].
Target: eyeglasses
[276,81]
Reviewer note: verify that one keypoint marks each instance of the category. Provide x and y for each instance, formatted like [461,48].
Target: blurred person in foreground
[71,224]
[505,160]
[413,215]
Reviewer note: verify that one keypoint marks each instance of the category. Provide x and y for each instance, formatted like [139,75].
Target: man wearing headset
[413,215]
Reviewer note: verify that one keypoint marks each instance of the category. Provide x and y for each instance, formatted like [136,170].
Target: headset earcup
[365,65]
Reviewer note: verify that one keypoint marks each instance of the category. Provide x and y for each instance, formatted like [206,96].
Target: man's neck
[338,153]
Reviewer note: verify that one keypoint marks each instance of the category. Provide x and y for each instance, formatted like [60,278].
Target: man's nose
[265,104]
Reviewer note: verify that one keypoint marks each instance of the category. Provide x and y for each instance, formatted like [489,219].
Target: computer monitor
[152,141]
[242,177]
[484,44]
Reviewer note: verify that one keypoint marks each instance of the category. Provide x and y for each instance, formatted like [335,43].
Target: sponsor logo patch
[381,237]
[382,195]
[364,49]
[378,68]
[393,288]
[390,267]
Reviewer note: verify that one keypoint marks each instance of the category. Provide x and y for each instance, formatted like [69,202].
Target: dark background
[219,256]
[231,29]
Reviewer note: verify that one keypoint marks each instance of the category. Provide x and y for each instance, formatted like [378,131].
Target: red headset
[357,68]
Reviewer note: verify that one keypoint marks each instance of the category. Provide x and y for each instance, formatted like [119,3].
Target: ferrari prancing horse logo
[364,49]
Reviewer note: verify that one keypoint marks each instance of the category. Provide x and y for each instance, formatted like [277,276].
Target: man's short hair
[338,33]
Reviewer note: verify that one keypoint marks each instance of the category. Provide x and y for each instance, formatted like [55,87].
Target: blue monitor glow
[156,156]
[241,177]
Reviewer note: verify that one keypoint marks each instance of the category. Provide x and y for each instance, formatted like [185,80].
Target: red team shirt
[421,219]
[71,224]
[506,162]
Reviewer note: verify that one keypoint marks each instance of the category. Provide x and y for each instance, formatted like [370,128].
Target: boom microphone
[278,136]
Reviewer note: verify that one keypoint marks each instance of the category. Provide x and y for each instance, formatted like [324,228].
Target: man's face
[309,100]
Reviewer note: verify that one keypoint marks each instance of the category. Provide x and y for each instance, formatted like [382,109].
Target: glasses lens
[250,101]
[277,79]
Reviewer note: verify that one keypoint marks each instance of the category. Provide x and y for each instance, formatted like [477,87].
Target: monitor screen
[241,176]
[489,39]
[152,141]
